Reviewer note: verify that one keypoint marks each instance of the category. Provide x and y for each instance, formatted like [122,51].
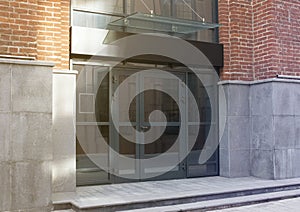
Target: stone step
[218,204]
[216,200]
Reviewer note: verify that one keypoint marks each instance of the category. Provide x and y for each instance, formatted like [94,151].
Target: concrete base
[262,135]
[25,135]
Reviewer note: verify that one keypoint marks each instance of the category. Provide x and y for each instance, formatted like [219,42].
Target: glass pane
[160,147]
[203,131]
[92,20]
[202,98]
[163,101]
[91,151]
[102,98]
[108,6]
[164,143]
[127,148]
[129,89]
[159,7]
[92,94]
[183,10]
[156,100]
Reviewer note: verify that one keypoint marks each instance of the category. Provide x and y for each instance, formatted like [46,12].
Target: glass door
[135,137]
[125,160]
[165,94]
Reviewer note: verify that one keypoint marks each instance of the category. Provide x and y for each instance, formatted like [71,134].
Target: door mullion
[140,122]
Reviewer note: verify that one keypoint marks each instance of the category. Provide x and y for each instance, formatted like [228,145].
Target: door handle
[144,128]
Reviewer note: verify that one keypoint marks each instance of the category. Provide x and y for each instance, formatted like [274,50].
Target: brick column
[260,37]
[235,17]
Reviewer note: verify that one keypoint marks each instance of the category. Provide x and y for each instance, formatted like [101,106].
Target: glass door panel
[164,94]
[125,162]
[205,94]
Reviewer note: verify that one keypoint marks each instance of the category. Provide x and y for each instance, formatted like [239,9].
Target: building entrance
[127,117]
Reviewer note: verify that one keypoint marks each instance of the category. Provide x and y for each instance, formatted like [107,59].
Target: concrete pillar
[64,131]
[235,140]
[262,133]
[25,135]
[275,136]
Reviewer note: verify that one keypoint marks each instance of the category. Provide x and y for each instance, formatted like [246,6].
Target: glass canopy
[140,22]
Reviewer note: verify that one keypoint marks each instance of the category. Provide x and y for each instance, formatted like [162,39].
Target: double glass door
[135,137]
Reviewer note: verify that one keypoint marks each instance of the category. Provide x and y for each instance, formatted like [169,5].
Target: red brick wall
[236,35]
[261,38]
[264,46]
[287,31]
[18,33]
[36,28]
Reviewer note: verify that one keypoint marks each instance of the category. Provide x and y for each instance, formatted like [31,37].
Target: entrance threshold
[129,196]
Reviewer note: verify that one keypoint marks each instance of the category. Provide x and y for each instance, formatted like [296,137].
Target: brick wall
[36,28]
[261,38]
[287,31]
[236,35]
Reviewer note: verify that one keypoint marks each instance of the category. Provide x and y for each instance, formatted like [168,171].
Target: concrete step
[224,203]
[217,200]
[214,190]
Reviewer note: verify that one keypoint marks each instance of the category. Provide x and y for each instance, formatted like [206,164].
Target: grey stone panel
[234,163]
[239,132]
[224,162]
[283,163]
[296,163]
[283,97]
[31,89]
[262,134]
[5,87]
[261,99]
[262,163]
[4,136]
[31,185]
[224,142]
[223,103]
[25,136]
[238,100]
[239,163]
[296,98]
[31,137]
[284,132]
[5,187]
[297,131]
